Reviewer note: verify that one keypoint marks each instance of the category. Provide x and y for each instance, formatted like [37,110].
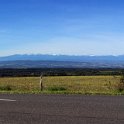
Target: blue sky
[71,27]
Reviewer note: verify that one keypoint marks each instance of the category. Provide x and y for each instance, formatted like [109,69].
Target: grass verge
[88,85]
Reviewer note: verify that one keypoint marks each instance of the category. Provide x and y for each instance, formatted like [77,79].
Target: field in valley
[62,85]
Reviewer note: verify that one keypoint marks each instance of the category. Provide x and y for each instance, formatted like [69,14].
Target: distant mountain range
[61,61]
[46,57]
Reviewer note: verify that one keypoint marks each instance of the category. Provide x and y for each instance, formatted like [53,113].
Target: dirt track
[61,109]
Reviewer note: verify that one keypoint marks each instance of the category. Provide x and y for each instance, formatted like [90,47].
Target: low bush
[57,89]
[120,86]
[6,88]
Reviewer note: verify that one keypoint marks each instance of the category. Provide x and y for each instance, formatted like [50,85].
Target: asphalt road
[61,109]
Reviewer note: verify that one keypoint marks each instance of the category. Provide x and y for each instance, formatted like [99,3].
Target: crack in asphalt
[54,115]
[100,118]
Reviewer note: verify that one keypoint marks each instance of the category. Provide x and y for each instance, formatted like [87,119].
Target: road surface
[61,109]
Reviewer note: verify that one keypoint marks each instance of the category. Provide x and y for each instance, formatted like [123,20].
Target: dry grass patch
[64,84]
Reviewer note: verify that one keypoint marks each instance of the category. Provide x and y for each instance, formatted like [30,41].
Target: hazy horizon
[62,27]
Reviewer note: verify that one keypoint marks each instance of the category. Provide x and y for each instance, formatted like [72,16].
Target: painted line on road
[7,100]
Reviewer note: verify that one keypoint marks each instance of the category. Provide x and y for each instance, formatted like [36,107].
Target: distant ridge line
[61,61]
[47,57]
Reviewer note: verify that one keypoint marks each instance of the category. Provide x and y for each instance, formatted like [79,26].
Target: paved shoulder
[61,109]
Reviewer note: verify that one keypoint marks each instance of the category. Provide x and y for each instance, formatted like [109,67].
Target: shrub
[120,86]
[56,88]
[6,88]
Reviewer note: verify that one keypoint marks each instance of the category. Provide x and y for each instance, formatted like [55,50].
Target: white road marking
[7,100]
